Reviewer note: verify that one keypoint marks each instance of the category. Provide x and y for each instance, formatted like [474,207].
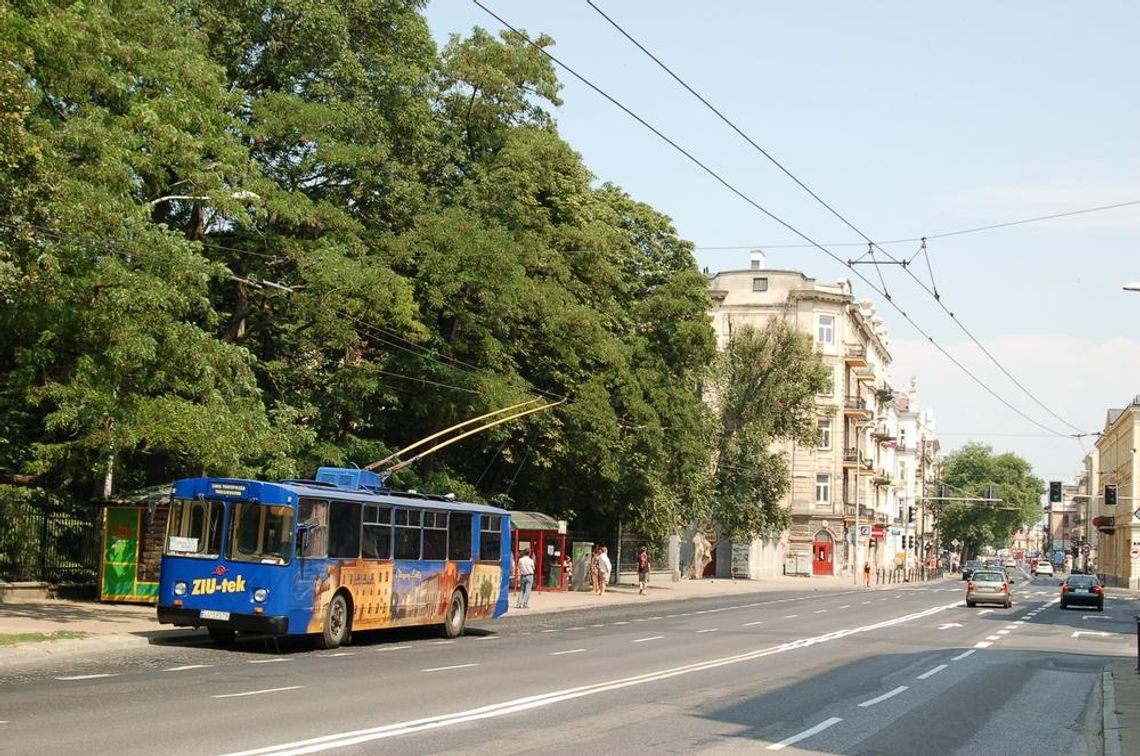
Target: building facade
[851,488]
[1115,463]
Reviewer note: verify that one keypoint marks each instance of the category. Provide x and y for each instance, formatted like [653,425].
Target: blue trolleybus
[327,557]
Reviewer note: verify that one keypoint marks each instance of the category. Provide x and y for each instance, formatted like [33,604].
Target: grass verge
[11,639]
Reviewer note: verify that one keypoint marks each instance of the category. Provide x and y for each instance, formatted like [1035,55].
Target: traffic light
[944,492]
[1110,495]
[1105,524]
[910,514]
[1054,492]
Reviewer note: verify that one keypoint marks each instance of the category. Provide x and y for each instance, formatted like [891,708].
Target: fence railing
[48,541]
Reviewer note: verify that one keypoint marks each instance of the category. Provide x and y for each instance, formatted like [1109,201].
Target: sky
[910,119]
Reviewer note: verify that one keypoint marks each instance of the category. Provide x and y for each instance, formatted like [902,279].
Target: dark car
[971,566]
[1082,590]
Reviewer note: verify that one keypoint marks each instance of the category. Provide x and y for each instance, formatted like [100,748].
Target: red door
[821,554]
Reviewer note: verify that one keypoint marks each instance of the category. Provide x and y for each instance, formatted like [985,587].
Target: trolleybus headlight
[180,588]
[260,594]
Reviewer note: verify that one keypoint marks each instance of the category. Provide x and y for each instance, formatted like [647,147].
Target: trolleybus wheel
[456,616]
[221,636]
[336,623]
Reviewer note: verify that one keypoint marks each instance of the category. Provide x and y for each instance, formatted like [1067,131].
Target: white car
[1043,568]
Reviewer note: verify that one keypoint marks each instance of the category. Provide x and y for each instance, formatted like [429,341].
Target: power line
[911,240]
[871,244]
[739,193]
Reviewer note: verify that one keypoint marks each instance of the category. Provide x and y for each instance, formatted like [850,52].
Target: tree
[764,389]
[968,472]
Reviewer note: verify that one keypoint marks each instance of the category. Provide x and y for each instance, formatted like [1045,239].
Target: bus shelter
[546,539]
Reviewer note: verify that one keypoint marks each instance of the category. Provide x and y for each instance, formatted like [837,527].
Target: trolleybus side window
[408,533]
[261,533]
[435,535]
[344,530]
[459,536]
[490,537]
[377,540]
[313,515]
[195,528]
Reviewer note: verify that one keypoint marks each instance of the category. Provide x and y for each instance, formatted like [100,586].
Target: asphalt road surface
[886,671]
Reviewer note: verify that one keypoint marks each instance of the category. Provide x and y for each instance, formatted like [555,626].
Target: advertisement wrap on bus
[327,557]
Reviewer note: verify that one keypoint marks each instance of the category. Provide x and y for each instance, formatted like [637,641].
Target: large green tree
[764,390]
[969,472]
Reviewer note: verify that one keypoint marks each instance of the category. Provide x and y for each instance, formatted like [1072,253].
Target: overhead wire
[746,198]
[872,245]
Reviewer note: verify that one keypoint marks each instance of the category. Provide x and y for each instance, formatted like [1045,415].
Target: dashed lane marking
[750,624]
[982,644]
[993,637]
[931,672]
[269,661]
[186,667]
[805,734]
[571,651]
[845,606]
[709,630]
[445,669]
[820,611]
[790,616]
[257,692]
[1003,632]
[86,677]
[340,653]
[401,648]
[650,638]
[963,655]
[885,696]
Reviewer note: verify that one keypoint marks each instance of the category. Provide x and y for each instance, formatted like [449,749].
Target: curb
[1111,723]
[25,653]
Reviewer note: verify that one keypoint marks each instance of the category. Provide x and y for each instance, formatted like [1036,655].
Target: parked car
[1043,568]
[989,587]
[1083,590]
[1010,562]
[969,567]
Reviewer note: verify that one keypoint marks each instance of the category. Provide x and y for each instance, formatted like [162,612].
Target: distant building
[854,473]
[1115,462]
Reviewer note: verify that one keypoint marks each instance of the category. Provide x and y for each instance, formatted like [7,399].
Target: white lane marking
[1098,633]
[805,734]
[442,643]
[186,667]
[1027,618]
[948,625]
[1003,632]
[487,637]
[709,630]
[885,696]
[268,661]
[884,598]
[750,624]
[623,622]
[985,611]
[258,692]
[820,611]
[866,602]
[581,627]
[3,721]
[393,648]
[993,637]
[845,606]
[340,653]
[1096,616]
[357,737]
[982,644]
[963,655]
[87,677]
[931,672]
[1011,626]
[554,631]
[601,625]
[654,618]
[790,616]
[444,669]
[1018,623]
[652,637]
[571,651]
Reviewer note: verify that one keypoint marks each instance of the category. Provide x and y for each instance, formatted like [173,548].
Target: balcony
[855,355]
[855,405]
[865,374]
[882,479]
[865,512]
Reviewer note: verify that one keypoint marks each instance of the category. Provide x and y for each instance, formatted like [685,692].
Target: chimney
[757,259]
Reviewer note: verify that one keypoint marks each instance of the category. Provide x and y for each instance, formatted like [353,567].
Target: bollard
[1138,642]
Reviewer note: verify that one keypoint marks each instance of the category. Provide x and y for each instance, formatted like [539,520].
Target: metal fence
[48,540]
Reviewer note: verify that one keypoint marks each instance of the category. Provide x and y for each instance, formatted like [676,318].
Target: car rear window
[989,577]
[1082,581]
[973,563]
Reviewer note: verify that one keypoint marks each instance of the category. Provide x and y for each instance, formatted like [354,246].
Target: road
[890,671]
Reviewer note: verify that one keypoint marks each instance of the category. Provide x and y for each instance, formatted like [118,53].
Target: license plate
[213,614]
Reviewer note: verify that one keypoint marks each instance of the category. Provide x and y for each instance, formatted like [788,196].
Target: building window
[823,490]
[759,284]
[902,438]
[825,435]
[825,333]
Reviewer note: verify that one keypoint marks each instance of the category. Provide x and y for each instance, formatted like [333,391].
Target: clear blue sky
[911,119]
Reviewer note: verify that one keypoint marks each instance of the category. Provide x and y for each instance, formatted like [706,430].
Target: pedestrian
[595,570]
[867,575]
[642,570]
[604,569]
[526,579]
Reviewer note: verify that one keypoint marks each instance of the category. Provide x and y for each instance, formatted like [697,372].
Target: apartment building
[918,454]
[1115,463]
[846,490]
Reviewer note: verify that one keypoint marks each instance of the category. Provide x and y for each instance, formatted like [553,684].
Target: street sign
[864,530]
[1135,553]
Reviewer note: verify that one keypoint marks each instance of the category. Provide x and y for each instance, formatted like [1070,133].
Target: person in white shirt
[604,569]
[526,579]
